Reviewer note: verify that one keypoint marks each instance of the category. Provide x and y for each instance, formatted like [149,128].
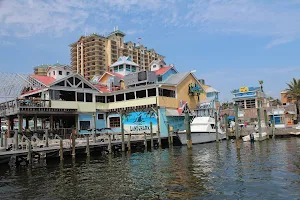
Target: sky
[230,43]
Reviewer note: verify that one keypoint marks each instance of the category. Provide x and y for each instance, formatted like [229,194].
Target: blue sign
[139,122]
[247,94]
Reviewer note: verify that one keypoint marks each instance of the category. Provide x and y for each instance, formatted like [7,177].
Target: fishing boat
[202,131]
[203,125]
[256,137]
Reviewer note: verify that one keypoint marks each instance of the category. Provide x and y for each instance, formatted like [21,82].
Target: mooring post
[226,126]
[216,127]
[29,154]
[47,137]
[128,142]
[169,136]
[273,128]
[109,143]
[16,140]
[61,150]
[5,140]
[188,131]
[266,123]
[259,120]
[236,118]
[73,143]
[151,135]
[2,138]
[145,141]
[158,123]
[87,150]
[122,132]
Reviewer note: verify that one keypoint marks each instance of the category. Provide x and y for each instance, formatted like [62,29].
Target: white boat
[202,131]
[256,137]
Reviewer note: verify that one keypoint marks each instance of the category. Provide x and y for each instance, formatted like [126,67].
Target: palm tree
[261,82]
[293,92]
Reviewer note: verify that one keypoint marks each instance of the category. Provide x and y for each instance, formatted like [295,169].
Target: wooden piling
[122,132]
[87,150]
[259,121]
[73,143]
[47,137]
[236,118]
[226,126]
[61,150]
[145,141]
[158,125]
[266,123]
[216,126]
[273,129]
[2,139]
[169,136]
[16,140]
[128,142]
[29,153]
[151,135]
[188,131]
[109,144]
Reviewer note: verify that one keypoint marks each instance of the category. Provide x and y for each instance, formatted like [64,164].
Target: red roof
[163,70]
[32,91]
[116,74]
[43,79]
[102,88]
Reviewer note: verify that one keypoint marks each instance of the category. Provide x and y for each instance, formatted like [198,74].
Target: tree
[293,92]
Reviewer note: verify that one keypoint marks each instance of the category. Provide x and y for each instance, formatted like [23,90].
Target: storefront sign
[244,89]
[139,122]
[194,89]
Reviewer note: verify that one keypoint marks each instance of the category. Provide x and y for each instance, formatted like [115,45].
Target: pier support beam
[259,121]
[122,132]
[47,138]
[16,140]
[158,125]
[87,150]
[216,126]
[151,135]
[35,123]
[20,123]
[189,142]
[109,144]
[128,142]
[236,118]
[266,123]
[61,150]
[73,142]
[145,141]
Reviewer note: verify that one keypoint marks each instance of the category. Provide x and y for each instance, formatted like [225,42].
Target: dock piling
[216,126]
[145,141]
[259,121]
[122,132]
[236,118]
[29,153]
[73,143]
[47,137]
[87,150]
[128,142]
[16,140]
[226,126]
[273,129]
[61,150]
[188,131]
[151,135]
[266,123]
[109,144]
[2,138]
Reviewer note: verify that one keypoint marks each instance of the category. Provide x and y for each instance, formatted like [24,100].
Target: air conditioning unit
[140,78]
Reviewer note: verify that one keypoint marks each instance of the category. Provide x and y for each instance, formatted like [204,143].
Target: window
[154,66]
[114,122]
[241,103]
[250,103]
[152,92]
[68,73]
[130,96]
[166,93]
[80,97]
[133,69]
[120,97]
[128,68]
[141,94]
[100,99]
[116,69]
[84,125]
[88,97]
[53,72]
[60,72]
[159,78]
[100,117]
[121,68]
[110,99]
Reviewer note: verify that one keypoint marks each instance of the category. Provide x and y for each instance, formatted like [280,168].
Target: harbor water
[266,170]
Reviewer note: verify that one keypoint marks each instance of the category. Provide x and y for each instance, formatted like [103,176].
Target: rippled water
[267,170]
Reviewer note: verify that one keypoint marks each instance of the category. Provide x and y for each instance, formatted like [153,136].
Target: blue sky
[230,43]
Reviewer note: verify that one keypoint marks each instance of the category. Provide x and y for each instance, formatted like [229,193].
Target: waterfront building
[92,55]
[285,100]
[42,69]
[61,102]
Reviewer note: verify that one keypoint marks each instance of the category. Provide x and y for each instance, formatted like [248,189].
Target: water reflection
[266,170]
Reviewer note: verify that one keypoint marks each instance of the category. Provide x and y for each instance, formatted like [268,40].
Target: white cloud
[6,43]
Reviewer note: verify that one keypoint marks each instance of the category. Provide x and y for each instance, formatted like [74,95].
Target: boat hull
[256,137]
[200,137]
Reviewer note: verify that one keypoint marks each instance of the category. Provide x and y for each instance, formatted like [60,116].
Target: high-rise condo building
[93,54]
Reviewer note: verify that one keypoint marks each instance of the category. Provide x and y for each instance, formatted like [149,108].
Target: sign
[139,122]
[194,89]
[247,94]
[244,89]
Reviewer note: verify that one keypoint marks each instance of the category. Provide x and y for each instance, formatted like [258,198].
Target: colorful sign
[244,89]
[139,122]
[194,89]
[246,94]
